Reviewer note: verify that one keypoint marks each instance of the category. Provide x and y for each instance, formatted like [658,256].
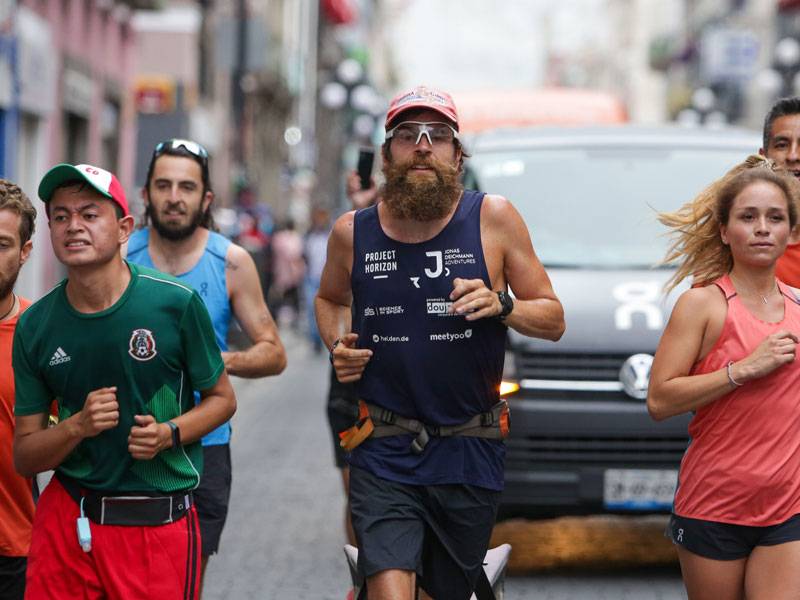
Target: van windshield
[596,208]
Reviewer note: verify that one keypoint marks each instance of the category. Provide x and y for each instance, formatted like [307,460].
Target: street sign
[154,94]
[728,54]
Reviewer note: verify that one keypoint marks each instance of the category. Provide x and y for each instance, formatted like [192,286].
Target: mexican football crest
[142,345]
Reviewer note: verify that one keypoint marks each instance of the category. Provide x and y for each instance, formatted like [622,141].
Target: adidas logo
[59,356]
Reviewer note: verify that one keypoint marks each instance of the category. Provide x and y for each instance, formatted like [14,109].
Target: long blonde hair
[697,245]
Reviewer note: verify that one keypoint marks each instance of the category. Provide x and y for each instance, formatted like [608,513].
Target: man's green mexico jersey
[155,344]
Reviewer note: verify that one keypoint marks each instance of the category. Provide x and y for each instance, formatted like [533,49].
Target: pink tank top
[742,465]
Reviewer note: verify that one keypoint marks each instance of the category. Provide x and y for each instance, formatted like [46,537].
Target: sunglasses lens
[441,134]
[406,134]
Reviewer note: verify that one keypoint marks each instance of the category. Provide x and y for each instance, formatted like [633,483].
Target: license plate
[639,489]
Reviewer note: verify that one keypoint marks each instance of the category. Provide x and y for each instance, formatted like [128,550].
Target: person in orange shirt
[17,217]
[782,144]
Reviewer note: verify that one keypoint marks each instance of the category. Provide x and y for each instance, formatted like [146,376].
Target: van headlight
[509,384]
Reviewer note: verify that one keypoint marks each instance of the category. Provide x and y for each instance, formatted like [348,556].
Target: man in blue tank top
[426,273]
[180,241]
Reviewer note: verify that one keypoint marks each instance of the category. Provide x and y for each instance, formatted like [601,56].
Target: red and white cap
[422,97]
[105,182]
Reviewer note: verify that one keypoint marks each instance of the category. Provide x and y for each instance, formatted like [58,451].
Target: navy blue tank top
[427,364]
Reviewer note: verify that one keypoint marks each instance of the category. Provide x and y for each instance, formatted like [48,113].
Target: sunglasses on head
[191,147]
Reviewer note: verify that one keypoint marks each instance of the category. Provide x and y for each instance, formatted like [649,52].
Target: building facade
[70,68]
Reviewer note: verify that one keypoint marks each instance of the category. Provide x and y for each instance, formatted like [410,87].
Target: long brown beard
[425,200]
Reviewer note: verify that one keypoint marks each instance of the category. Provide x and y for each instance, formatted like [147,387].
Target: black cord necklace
[13,306]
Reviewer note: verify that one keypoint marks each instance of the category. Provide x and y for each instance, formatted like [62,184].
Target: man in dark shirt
[426,273]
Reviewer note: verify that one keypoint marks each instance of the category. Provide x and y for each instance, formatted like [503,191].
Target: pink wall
[97,37]
[127,138]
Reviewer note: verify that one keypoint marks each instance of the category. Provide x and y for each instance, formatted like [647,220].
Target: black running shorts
[439,531]
[12,577]
[212,496]
[723,541]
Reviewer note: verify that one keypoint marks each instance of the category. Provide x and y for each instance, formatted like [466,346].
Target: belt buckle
[418,443]
[387,416]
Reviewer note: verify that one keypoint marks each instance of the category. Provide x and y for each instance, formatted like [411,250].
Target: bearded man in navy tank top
[427,272]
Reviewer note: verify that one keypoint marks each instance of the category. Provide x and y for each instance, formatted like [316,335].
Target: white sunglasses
[409,133]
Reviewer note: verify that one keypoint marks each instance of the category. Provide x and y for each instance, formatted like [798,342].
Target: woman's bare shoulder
[701,300]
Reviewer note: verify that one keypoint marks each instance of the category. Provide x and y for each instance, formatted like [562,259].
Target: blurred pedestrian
[781,139]
[256,241]
[288,270]
[426,459]
[17,220]
[315,250]
[728,356]
[179,241]
[119,347]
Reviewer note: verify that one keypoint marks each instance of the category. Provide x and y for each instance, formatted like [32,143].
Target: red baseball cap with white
[101,180]
[423,97]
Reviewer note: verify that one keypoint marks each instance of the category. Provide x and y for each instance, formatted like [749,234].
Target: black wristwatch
[507,302]
[176,434]
[332,348]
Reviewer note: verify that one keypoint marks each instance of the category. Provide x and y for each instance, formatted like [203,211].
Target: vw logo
[635,375]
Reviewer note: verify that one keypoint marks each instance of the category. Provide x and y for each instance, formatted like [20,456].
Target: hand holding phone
[366,157]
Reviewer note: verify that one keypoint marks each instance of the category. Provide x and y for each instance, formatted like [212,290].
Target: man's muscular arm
[266,356]
[332,304]
[512,263]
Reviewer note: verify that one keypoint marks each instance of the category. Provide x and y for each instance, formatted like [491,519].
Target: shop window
[110,134]
[76,138]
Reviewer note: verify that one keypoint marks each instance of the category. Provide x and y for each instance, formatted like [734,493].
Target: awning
[339,12]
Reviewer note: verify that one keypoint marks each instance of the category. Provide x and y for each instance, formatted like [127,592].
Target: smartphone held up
[366,158]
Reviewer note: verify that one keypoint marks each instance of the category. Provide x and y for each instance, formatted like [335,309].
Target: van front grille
[572,367]
[524,450]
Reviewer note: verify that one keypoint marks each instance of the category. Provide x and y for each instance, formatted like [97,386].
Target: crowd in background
[289,262]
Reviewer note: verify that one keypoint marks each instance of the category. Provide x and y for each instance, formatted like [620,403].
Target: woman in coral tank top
[728,355]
